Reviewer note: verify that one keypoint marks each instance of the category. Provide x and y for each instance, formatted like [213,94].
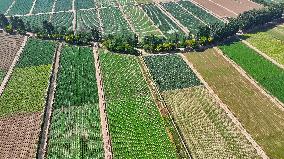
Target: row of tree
[128,43]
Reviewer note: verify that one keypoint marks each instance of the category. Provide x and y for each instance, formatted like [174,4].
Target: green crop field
[87,20]
[259,116]
[136,127]
[164,23]
[270,76]
[4,5]
[207,130]
[26,89]
[63,19]
[268,44]
[35,20]
[63,5]
[43,6]
[85,4]
[75,126]
[21,7]
[171,72]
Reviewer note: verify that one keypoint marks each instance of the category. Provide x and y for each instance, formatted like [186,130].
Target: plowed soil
[19,135]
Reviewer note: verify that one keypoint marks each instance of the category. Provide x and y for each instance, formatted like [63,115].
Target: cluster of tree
[129,44]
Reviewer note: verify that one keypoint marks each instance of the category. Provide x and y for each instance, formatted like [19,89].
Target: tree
[3,21]
[96,35]
[48,28]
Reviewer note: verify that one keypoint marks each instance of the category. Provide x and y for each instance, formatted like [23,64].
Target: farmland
[136,127]
[171,72]
[205,126]
[254,110]
[263,71]
[87,20]
[21,7]
[22,102]
[75,125]
[42,6]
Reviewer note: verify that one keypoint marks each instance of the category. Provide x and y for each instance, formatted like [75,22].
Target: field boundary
[102,106]
[42,149]
[32,8]
[10,71]
[273,99]
[259,150]
[177,22]
[262,54]
[159,101]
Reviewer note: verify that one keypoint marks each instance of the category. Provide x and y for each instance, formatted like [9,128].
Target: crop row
[164,23]
[63,19]
[113,21]
[270,76]
[207,130]
[21,7]
[253,109]
[43,6]
[136,127]
[170,72]
[75,130]
[87,20]
[63,5]
[140,21]
[185,18]
[26,89]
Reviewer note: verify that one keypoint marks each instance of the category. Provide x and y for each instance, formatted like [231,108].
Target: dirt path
[102,107]
[49,102]
[75,16]
[9,73]
[183,28]
[52,10]
[33,6]
[159,100]
[263,54]
[259,150]
[279,104]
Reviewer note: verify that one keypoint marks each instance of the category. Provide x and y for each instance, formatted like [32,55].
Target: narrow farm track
[102,107]
[33,6]
[74,16]
[263,54]
[183,28]
[279,104]
[9,73]
[159,100]
[49,102]
[7,11]
[52,10]
[259,150]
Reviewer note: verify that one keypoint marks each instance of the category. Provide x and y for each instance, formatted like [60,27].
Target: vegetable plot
[165,24]
[185,18]
[63,19]
[136,127]
[4,5]
[171,72]
[270,76]
[113,21]
[43,6]
[84,4]
[21,7]
[87,20]
[63,5]
[26,89]
[140,21]
[35,20]
[75,130]
[207,130]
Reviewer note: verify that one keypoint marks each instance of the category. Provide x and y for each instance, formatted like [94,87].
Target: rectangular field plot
[170,72]
[184,17]
[19,135]
[87,20]
[136,127]
[269,44]
[113,21]
[84,4]
[63,19]
[107,3]
[165,24]
[200,13]
[75,130]
[140,21]
[21,7]
[76,133]
[207,130]
[260,117]
[35,20]
[4,5]
[9,46]
[43,6]
[63,5]
[270,76]
[26,90]
[76,84]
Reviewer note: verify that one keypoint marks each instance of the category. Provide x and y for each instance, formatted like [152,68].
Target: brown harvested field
[9,46]
[249,3]
[259,116]
[214,8]
[206,128]
[232,5]
[19,136]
